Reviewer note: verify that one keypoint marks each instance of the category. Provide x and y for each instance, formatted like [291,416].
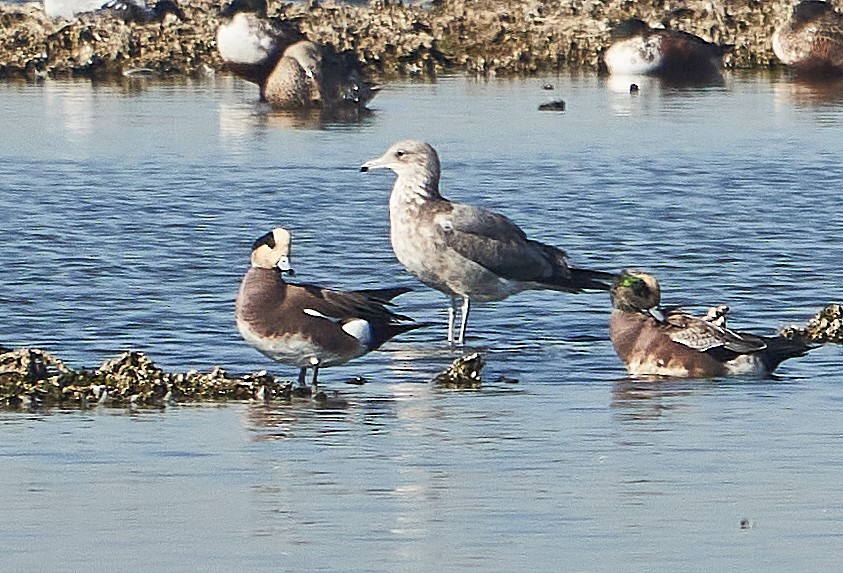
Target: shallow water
[126,215]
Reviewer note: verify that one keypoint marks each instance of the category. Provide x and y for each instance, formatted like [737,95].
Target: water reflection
[808,93]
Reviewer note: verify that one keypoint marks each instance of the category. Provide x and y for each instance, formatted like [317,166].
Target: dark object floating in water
[31,378]
[825,327]
[356,381]
[633,88]
[745,523]
[547,87]
[556,105]
[464,372]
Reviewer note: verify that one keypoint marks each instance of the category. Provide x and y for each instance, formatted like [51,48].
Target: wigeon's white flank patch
[747,365]
[361,330]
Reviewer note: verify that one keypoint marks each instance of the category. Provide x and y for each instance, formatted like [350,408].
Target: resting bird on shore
[69,8]
[640,50]
[811,41]
[465,251]
[652,341]
[251,44]
[138,11]
[305,325]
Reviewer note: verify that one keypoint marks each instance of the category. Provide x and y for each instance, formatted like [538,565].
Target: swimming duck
[652,341]
[310,74]
[639,49]
[811,41]
[465,251]
[138,11]
[305,325]
[251,44]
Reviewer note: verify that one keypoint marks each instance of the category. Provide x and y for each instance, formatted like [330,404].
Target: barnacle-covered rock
[31,377]
[824,327]
[478,36]
[464,372]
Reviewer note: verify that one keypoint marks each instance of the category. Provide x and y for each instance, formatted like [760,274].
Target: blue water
[126,216]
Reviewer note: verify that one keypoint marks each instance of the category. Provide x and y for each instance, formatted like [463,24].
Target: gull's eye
[399,153]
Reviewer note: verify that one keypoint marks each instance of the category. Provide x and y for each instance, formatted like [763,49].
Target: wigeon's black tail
[780,349]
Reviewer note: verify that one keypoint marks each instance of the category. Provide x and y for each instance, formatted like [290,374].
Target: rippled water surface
[126,216]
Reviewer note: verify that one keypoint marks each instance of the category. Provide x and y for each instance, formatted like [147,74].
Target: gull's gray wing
[496,243]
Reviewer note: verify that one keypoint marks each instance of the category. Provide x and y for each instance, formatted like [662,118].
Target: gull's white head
[410,158]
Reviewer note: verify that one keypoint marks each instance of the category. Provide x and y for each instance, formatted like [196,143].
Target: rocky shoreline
[391,39]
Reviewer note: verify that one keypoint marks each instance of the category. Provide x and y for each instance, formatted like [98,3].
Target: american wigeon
[462,250]
[652,341]
[638,49]
[139,11]
[305,325]
[811,41]
[251,44]
[314,75]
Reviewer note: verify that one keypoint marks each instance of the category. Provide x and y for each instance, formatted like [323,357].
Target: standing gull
[305,325]
[466,251]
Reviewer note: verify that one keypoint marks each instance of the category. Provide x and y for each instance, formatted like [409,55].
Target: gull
[465,251]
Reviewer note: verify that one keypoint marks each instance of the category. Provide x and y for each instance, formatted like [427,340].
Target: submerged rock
[825,327]
[31,378]
[464,372]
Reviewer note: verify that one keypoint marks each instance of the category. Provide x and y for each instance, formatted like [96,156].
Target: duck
[811,40]
[653,341]
[138,11]
[638,49]
[313,75]
[464,251]
[308,326]
[251,44]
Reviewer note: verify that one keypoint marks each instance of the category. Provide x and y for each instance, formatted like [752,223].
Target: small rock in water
[547,87]
[633,89]
[746,523]
[464,372]
[556,105]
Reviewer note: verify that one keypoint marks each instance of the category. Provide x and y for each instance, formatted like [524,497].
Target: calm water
[126,216]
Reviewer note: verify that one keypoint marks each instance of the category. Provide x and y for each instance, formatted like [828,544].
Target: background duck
[652,341]
[305,325]
[638,49]
[811,41]
[465,251]
[314,75]
[139,11]
[250,44]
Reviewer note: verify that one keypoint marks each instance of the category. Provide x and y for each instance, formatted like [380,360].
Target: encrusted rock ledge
[32,378]
[477,36]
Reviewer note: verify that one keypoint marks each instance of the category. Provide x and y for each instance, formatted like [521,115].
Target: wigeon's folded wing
[702,335]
